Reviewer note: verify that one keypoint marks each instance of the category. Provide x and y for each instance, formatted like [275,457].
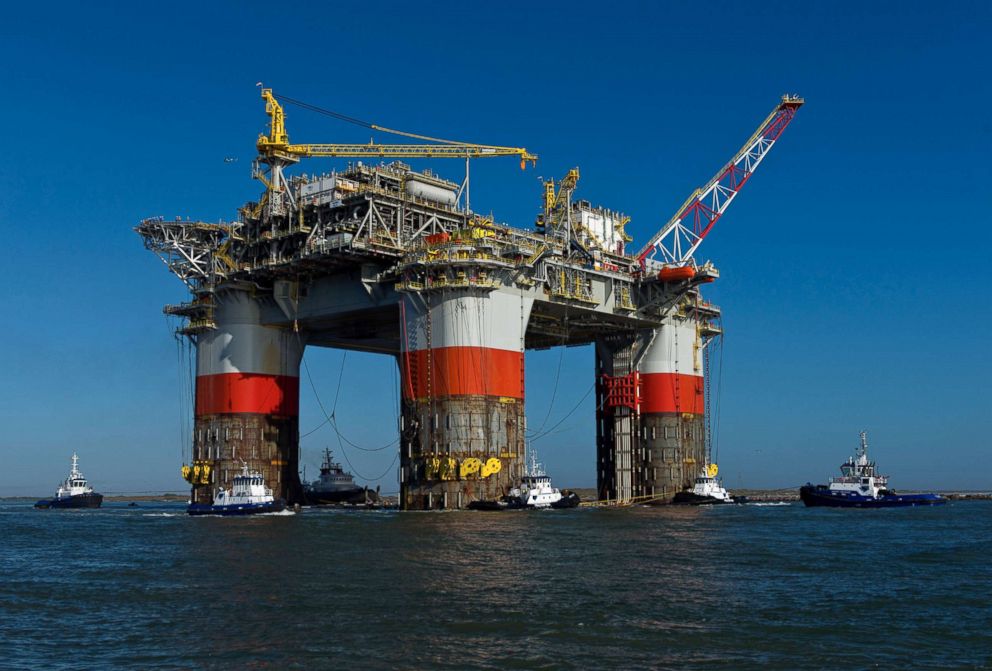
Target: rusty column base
[675,452]
[449,448]
[267,444]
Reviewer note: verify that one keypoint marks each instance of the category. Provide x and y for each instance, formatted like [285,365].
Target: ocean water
[771,587]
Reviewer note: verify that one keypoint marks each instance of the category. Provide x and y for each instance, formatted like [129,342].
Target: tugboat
[861,486]
[707,490]
[335,486]
[73,492]
[248,496]
[535,491]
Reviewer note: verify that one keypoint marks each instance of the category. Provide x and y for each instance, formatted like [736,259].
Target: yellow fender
[187,473]
[493,466]
[470,466]
[712,470]
[446,469]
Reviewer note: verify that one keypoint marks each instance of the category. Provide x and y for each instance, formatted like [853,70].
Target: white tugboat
[73,492]
[706,490]
[248,496]
[335,486]
[535,491]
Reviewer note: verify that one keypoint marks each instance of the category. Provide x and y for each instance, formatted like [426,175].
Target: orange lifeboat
[677,274]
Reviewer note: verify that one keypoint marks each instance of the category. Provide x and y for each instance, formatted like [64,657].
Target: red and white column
[247,398]
[462,364]
[672,406]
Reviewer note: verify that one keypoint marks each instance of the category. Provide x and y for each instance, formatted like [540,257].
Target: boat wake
[770,503]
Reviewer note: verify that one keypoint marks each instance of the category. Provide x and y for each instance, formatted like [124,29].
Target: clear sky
[855,265]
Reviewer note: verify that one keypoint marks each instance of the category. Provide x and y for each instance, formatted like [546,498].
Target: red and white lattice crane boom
[678,239]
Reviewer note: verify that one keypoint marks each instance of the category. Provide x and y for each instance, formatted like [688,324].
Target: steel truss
[681,236]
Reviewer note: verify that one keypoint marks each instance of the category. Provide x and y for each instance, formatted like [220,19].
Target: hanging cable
[316,428]
[337,392]
[180,360]
[332,420]
[184,371]
[561,358]
[554,392]
[354,470]
[570,412]
[719,391]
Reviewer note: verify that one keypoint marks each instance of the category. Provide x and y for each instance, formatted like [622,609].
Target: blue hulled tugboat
[74,492]
[861,486]
[248,496]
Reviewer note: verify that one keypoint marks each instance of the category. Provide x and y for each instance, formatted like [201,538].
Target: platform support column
[247,399]
[672,408]
[462,428]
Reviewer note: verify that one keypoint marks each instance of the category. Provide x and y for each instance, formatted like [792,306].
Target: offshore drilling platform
[382,258]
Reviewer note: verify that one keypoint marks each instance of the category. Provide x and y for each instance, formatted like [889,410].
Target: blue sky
[855,272]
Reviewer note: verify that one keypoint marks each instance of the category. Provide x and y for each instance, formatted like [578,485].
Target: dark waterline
[777,587]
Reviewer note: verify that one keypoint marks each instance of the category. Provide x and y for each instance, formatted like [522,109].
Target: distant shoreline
[792,494]
[112,497]
[585,493]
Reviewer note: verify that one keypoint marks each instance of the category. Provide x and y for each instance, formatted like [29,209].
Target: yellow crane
[276,151]
[276,143]
[557,202]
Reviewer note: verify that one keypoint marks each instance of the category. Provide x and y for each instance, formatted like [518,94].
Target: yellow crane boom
[276,144]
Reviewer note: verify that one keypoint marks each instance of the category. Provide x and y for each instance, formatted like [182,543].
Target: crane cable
[367,124]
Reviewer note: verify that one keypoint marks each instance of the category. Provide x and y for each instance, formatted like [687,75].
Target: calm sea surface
[775,587]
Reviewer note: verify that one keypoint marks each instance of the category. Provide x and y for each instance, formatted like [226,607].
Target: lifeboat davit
[677,274]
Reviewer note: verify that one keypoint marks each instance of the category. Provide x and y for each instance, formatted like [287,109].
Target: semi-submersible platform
[380,258]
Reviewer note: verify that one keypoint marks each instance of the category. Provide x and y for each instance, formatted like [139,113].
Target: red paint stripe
[230,393]
[465,371]
[658,393]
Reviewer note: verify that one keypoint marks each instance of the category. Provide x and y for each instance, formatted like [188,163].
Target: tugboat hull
[507,503]
[93,500]
[568,500]
[237,509]
[820,495]
[690,499]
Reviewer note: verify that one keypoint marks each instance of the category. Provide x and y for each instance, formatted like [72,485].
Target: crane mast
[678,240]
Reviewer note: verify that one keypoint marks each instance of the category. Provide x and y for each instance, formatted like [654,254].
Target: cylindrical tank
[432,192]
